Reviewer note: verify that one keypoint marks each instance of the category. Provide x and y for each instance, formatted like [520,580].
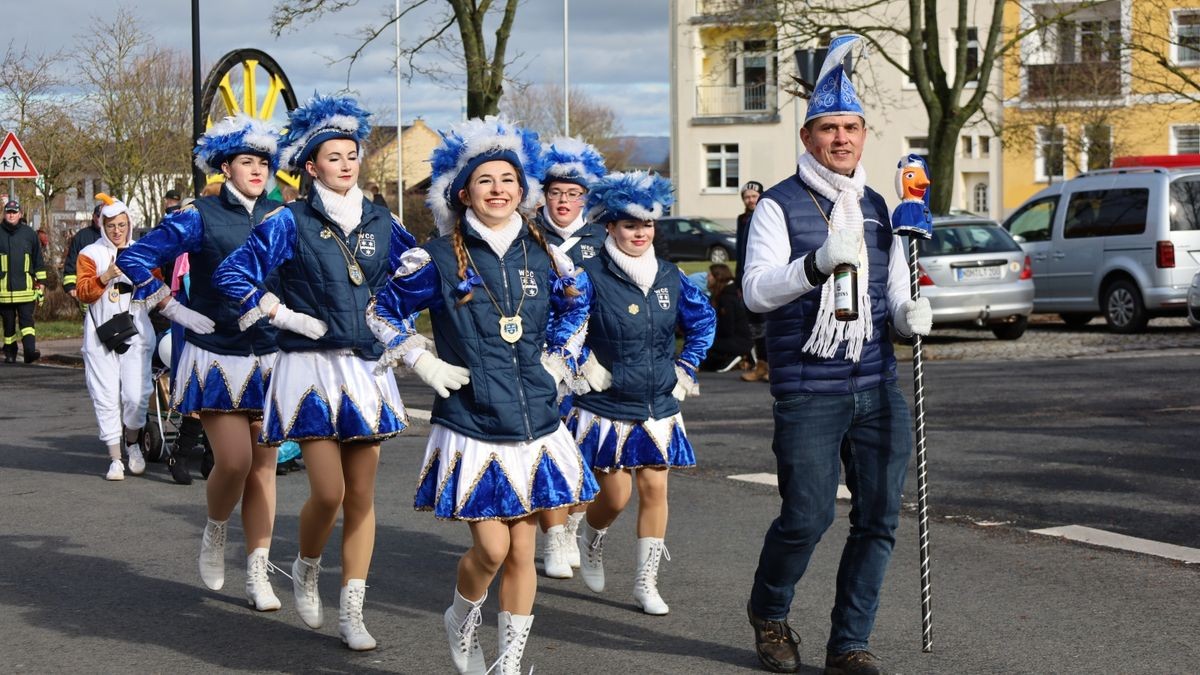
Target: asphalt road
[100,577]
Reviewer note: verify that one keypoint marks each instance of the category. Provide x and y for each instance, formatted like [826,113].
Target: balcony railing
[749,99]
[1084,80]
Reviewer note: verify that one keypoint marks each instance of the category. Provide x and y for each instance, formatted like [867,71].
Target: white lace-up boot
[572,535]
[645,587]
[591,554]
[514,632]
[350,619]
[306,572]
[554,557]
[137,461]
[259,593]
[462,620]
[212,554]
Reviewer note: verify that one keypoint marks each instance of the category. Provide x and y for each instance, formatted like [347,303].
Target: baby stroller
[163,423]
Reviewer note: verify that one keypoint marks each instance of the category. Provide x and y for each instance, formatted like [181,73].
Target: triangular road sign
[14,162]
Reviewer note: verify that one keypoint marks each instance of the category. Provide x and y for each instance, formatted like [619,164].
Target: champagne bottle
[845,292]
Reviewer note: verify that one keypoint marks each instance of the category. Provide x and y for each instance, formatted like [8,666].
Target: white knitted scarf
[246,202]
[564,232]
[500,238]
[845,192]
[345,210]
[642,269]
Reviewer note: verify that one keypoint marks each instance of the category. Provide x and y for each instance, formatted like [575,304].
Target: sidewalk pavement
[63,351]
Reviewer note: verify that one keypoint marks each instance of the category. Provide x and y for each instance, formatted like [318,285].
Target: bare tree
[484,72]
[138,111]
[539,107]
[905,36]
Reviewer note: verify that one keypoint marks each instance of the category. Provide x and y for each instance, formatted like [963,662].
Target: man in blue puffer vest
[834,382]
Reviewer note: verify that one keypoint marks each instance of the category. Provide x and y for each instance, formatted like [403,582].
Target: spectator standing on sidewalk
[84,237]
[834,382]
[21,279]
[751,191]
[732,342]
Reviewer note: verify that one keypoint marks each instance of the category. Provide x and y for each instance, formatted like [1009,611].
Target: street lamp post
[566,75]
[399,127]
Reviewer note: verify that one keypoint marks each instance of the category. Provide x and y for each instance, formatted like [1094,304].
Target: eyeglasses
[565,195]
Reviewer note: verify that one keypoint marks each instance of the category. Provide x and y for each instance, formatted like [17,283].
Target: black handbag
[115,333]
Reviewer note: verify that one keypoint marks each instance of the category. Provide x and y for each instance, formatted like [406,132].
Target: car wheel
[718,254]
[1123,308]
[1011,331]
[1076,319]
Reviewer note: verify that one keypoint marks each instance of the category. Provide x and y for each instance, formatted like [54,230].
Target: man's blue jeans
[870,433]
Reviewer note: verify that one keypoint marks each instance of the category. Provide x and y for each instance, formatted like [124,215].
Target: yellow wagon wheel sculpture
[248,81]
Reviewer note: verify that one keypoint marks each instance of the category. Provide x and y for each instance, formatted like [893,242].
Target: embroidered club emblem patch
[529,283]
[664,297]
[587,251]
[366,244]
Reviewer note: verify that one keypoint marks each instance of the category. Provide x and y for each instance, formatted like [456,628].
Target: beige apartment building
[733,122]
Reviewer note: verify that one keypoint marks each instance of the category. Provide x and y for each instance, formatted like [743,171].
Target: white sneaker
[137,462]
[591,552]
[462,620]
[645,586]
[350,619]
[304,587]
[572,531]
[212,555]
[259,593]
[514,632]
[116,470]
[554,557]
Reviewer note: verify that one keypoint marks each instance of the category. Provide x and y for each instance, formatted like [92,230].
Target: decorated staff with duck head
[834,382]
[508,313]
[628,417]
[332,251]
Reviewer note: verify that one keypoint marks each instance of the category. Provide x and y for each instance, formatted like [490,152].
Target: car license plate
[974,273]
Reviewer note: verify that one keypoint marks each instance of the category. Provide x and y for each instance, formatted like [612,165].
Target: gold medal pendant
[510,329]
[356,273]
[114,294]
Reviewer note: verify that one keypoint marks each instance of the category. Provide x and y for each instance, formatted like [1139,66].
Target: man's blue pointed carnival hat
[636,195]
[571,160]
[320,119]
[466,146]
[236,135]
[833,93]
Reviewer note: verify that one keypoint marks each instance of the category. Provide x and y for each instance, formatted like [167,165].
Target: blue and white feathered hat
[571,160]
[833,93]
[636,195]
[235,135]
[470,144]
[320,119]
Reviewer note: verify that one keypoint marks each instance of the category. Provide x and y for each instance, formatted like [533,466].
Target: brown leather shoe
[777,645]
[759,374]
[857,662]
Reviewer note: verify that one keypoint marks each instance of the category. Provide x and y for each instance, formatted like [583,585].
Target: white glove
[439,375]
[296,322]
[596,375]
[841,247]
[915,318]
[188,318]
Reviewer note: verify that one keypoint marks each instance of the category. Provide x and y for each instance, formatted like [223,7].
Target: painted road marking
[770,479]
[1090,535]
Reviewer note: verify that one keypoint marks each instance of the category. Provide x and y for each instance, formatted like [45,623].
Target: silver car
[1193,301]
[973,271]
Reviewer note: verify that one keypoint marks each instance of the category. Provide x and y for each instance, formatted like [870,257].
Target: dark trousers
[12,314]
[870,434]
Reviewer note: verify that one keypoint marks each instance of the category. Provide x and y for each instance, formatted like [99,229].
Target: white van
[1121,242]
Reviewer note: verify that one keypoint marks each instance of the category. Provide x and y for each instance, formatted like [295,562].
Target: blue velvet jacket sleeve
[698,320]
[402,240]
[180,232]
[241,275]
[391,314]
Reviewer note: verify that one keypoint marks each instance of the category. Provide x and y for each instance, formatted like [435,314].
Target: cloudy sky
[618,53]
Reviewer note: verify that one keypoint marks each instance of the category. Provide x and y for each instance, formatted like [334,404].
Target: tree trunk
[943,147]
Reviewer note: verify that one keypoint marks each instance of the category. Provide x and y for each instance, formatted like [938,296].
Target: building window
[985,146]
[1187,37]
[1049,159]
[1097,146]
[972,54]
[918,145]
[979,199]
[721,166]
[1185,139]
[968,146]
